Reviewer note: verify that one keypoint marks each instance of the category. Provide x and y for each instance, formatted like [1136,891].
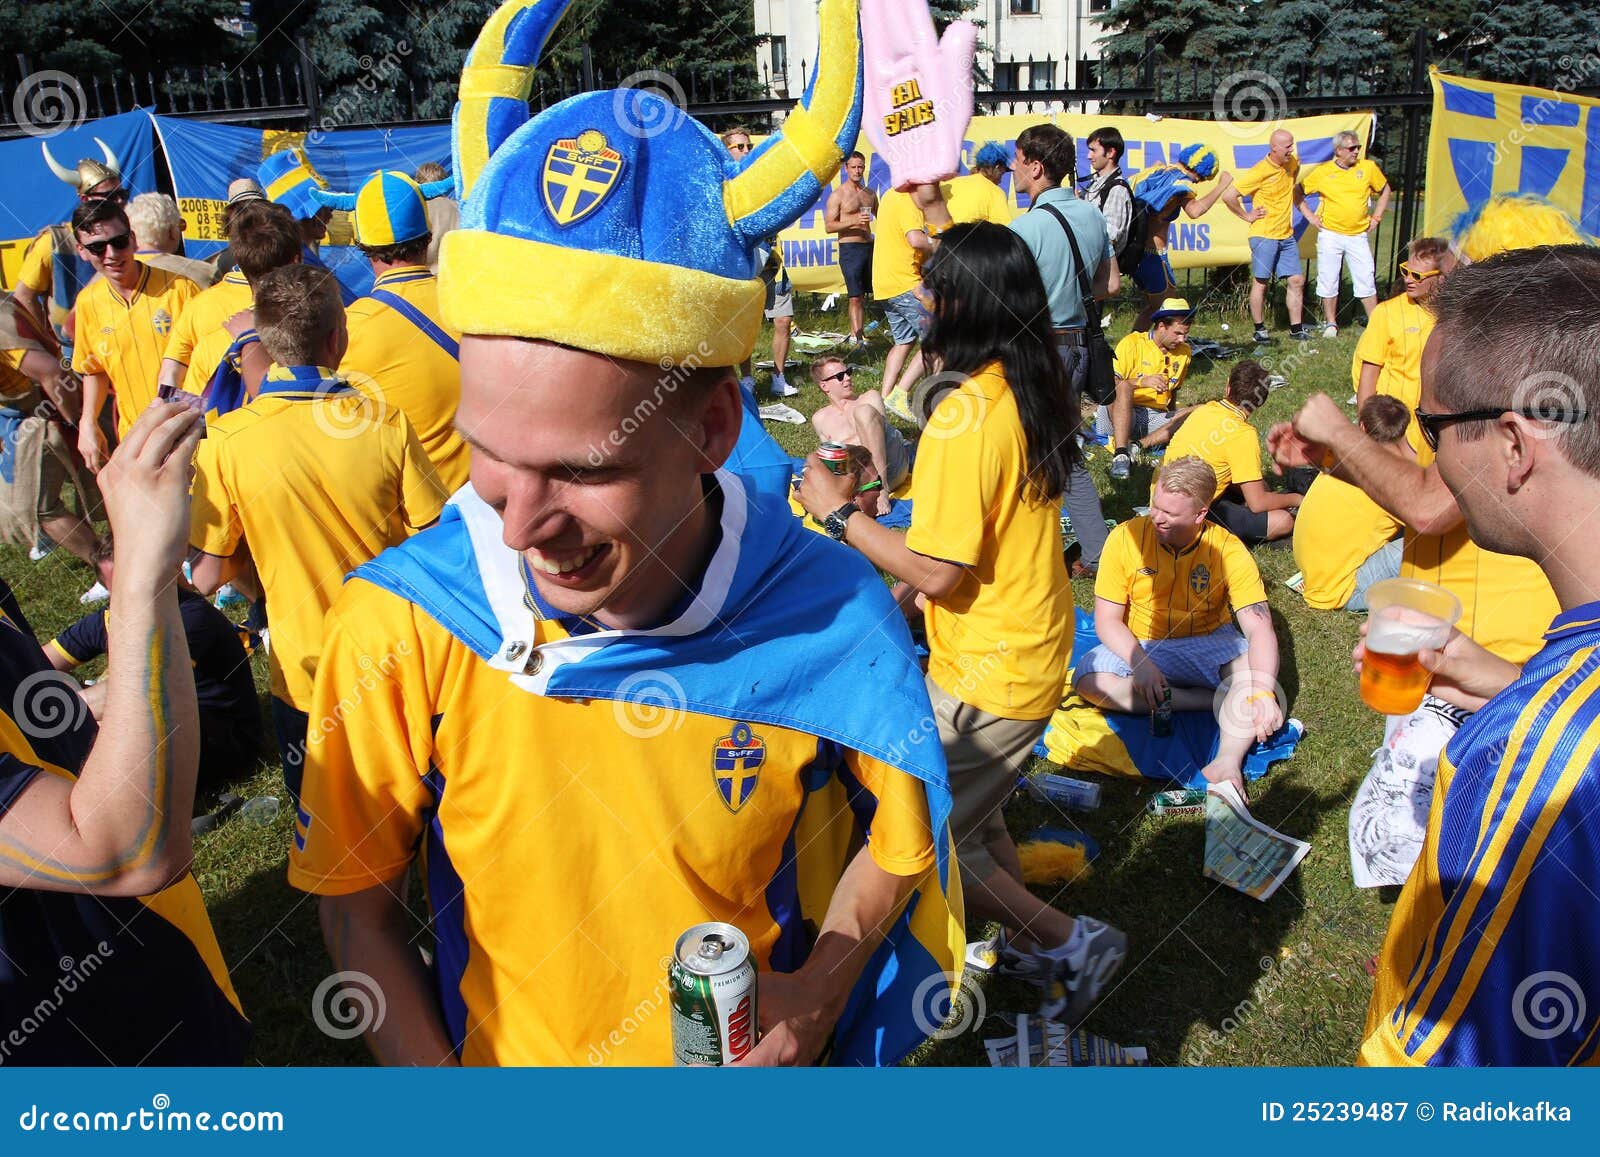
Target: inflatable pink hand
[917,90]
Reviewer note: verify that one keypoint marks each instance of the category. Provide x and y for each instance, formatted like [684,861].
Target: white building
[1056,34]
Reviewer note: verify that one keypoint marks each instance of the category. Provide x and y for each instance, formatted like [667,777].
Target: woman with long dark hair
[983,557]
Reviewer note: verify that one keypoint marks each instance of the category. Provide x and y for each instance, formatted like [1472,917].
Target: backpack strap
[419,319]
[1084,285]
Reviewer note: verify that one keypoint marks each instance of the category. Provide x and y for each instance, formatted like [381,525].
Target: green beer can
[713,984]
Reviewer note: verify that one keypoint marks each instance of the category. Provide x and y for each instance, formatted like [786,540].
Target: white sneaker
[95,594]
[782,388]
[1330,331]
[1079,976]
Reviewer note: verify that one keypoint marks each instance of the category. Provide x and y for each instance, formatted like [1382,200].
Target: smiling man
[574,704]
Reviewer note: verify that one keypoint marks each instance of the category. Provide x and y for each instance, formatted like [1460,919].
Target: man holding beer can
[1497,924]
[574,703]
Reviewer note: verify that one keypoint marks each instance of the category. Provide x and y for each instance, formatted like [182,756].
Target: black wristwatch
[835,523]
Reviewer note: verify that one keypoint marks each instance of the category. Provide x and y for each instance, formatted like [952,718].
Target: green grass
[1284,978]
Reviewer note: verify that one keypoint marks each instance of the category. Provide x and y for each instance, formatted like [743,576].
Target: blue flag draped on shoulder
[797,659]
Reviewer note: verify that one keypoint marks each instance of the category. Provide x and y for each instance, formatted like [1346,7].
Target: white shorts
[1332,248]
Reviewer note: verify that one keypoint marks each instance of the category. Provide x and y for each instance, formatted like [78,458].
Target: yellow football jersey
[1338,528]
[123,338]
[1393,341]
[1138,355]
[1270,187]
[394,361]
[199,339]
[1220,434]
[1346,194]
[1506,602]
[1176,594]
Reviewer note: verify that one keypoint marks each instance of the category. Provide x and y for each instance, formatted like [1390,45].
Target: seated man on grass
[1167,582]
[1149,368]
[1219,433]
[1343,540]
[860,420]
[869,486]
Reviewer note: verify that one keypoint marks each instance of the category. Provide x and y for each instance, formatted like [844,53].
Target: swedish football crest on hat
[644,230]
[736,765]
[390,209]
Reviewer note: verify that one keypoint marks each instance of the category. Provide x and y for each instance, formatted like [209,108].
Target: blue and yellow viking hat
[390,209]
[1513,221]
[1200,158]
[287,180]
[613,222]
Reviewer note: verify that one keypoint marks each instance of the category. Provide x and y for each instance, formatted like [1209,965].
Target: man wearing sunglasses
[1501,905]
[860,420]
[1344,218]
[123,321]
[1388,358]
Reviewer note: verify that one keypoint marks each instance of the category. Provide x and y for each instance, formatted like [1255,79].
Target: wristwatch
[835,523]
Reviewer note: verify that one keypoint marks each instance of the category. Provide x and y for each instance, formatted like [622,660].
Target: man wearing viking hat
[52,271]
[581,704]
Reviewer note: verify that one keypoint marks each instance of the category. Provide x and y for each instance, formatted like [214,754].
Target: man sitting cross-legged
[860,420]
[1167,581]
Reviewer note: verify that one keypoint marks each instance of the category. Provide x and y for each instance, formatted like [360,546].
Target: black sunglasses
[120,242]
[844,373]
[1431,424]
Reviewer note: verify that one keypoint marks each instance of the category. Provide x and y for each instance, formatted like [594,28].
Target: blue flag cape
[788,629]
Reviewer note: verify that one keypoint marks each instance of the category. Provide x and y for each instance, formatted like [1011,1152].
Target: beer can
[1182,801]
[1161,717]
[835,456]
[713,983]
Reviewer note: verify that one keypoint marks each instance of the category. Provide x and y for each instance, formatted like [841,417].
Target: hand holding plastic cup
[1405,617]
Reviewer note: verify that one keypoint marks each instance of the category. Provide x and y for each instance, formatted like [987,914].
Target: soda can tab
[835,456]
[1184,801]
[712,982]
[1065,792]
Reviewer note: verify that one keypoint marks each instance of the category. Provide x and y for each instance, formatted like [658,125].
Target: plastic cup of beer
[1404,617]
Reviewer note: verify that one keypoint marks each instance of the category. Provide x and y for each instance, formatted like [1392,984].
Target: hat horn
[70,176]
[771,189]
[331,200]
[438,188]
[496,80]
[111,158]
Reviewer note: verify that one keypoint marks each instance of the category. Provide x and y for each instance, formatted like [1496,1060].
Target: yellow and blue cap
[390,209]
[1200,159]
[287,180]
[643,228]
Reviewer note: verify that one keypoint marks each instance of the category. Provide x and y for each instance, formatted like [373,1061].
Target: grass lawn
[1213,977]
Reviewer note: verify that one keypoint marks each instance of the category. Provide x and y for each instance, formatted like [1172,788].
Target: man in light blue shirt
[1045,160]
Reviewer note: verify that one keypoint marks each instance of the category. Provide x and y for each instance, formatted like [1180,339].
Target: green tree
[1172,35]
[106,38]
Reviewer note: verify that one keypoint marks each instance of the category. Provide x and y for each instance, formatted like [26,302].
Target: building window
[1005,77]
[1042,75]
[780,63]
[1024,7]
[1099,6]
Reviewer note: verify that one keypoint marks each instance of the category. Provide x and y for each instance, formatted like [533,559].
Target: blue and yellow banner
[1489,138]
[810,252]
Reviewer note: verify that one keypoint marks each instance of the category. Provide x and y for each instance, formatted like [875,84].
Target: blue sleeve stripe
[1568,735]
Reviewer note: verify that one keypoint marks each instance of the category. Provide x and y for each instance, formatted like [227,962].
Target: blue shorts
[907,318]
[1270,258]
[1192,662]
[1154,273]
[855,263]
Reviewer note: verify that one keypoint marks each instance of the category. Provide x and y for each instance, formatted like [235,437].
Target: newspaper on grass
[1044,1044]
[1242,852]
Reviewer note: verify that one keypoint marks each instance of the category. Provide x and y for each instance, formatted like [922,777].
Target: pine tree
[1184,35]
[109,38]
[1296,39]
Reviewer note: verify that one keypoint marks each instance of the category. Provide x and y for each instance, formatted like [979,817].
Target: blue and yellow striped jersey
[1493,953]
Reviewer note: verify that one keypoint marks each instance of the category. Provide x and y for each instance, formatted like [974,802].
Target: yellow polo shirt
[124,338]
[1138,355]
[1337,530]
[894,262]
[393,361]
[1393,341]
[975,197]
[1176,594]
[316,480]
[1001,640]
[1219,434]
[1506,602]
[199,339]
[1270,187]
[38,264]
[1346,194]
